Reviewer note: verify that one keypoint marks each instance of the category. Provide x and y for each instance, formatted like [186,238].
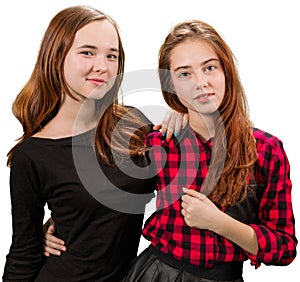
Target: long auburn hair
[234,131]
[39,100]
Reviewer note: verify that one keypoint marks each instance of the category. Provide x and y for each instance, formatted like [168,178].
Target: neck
[74,117]
[80,115]
[203,124]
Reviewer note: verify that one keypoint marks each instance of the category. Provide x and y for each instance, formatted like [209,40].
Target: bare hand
[52,244]
[172,123]
[198,210]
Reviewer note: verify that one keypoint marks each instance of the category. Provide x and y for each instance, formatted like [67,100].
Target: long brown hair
[39,100]
[236,139]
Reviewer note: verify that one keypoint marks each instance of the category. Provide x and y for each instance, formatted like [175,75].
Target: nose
[100,64]
[200,80]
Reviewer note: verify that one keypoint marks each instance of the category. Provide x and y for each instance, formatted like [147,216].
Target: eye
[87,53]
[210,68]
[183,75]
[112,56]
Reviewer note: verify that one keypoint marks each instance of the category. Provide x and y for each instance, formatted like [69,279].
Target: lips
[96,81]
[204,97]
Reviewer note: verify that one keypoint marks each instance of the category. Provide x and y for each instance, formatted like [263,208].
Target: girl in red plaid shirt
[224,191]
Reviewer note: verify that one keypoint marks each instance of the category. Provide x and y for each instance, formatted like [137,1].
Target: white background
[262,34]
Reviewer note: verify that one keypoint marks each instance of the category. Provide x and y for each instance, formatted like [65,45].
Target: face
[91,65]
[198,76]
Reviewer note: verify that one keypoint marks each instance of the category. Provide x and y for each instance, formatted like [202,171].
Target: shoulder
[137,113]
[264,138]
[270,148]
[131,117]
[31,149]
[24,155]
[26,147]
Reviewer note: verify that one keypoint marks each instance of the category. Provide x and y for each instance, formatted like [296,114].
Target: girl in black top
[76,138]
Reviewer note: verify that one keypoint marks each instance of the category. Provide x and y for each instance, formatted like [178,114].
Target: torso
[101,241]
[185,162]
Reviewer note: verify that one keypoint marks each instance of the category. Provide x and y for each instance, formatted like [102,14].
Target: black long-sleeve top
[101,234]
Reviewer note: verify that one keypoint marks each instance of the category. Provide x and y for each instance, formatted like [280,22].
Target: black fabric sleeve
[25,256]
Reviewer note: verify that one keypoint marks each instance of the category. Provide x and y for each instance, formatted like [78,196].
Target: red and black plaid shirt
[185,162]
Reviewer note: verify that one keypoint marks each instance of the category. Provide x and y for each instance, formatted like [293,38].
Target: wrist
[219,222]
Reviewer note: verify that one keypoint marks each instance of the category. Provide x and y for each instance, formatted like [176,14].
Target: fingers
[165,122]
[178,120]
[172,123]
[46,254]
[171,129]
[52,244]
[193,193]
[186,203]
[186,213]
[156,127]
[50,251]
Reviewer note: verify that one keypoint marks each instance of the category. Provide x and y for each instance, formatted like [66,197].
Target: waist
[220,271]
[76,269]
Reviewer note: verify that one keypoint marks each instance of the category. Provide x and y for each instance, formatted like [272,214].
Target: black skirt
[153,266]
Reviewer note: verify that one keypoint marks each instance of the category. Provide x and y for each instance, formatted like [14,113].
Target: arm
[25,257]
[275,230]
[272,239]
[200,212]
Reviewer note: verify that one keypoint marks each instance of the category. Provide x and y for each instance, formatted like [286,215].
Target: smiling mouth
[204,97]
[96,81]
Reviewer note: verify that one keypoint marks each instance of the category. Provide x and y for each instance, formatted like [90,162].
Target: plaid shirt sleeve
[275,230]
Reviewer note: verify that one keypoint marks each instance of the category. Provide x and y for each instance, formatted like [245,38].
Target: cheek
[219,85]
[72,67]
[222,88]
[115,69]
[183,91]
[113,74]
[220,82]
[68,73]
[184,95]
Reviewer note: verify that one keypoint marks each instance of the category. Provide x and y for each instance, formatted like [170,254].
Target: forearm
[24,260]
[239,233]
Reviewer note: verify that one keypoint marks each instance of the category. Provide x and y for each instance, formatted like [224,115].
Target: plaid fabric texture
[185,162]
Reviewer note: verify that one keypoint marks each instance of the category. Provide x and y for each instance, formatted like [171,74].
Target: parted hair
[234,130]
[39,100]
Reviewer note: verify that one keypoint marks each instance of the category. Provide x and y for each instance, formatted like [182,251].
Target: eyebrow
[202,64]
[94,48]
